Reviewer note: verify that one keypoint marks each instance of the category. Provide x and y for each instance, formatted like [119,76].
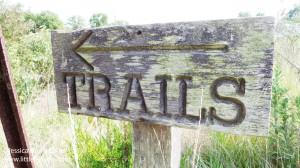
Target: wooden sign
[214,73]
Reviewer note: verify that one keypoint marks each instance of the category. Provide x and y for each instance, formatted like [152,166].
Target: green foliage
[244,14]
[229,151]
[98,20]
[44,20]
[31,62]
[29,53]
[280,149]
[12,21]
[76,22]
[110,147]
[294,14]
[283,141]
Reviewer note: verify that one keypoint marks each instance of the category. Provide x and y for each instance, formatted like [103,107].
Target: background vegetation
[28,43]
[106,143]
[103,144]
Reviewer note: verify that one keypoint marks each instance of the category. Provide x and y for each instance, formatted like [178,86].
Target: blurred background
[26,25]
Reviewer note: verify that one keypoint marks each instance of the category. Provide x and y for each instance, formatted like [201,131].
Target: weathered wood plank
[161,73]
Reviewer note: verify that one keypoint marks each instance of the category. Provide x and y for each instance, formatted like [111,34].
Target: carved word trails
[99,98]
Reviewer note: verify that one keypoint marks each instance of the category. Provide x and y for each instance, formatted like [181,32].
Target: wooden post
[155,146]
[10,115]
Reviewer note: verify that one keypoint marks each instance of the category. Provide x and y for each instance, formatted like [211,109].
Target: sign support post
[155,146]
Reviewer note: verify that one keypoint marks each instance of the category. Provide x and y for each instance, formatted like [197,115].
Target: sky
[159,11]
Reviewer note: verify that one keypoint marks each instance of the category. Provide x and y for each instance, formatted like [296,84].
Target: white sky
[157,11]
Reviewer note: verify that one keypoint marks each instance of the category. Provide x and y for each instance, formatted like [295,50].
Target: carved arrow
[83,48]
[78,43]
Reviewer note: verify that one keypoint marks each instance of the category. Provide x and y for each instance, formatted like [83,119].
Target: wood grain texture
[161,73]
[153,145]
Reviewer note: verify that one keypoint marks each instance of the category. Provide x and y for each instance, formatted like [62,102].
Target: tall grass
[103,143]
[279,149]
[229,151]
[284,135]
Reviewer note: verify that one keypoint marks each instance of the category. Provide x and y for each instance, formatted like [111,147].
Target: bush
[44,20]
[31,62]
[29,53]
[107,145]
[283,141]
[12,21]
